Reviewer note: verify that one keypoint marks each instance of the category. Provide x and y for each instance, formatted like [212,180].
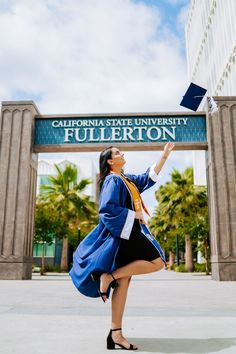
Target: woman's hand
[167,149]
[139,215]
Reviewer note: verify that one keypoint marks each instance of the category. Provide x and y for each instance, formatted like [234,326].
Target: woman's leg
[139,267]
[133,268]
[118,302]
[120,293]
[117,309]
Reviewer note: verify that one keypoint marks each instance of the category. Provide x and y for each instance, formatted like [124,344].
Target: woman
[121,244]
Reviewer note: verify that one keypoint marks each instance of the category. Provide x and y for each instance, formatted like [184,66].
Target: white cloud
[89,56]
[183,16]
[177,2]
[92,56]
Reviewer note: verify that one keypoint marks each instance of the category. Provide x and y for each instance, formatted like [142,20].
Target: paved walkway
[166,312]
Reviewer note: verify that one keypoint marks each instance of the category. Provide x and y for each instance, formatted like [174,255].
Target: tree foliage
[48,226]
[182,210]
[66,203]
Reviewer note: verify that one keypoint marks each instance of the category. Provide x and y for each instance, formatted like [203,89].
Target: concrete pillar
[221,127]
[18,176]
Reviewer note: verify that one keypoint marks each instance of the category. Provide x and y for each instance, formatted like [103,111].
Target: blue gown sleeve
[114,215]
[144,180]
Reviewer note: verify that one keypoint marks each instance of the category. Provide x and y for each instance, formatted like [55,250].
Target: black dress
[138,247]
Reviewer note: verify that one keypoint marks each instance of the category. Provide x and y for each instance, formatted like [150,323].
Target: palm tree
[185,197]
[180,202]
[69,199]
[164,230]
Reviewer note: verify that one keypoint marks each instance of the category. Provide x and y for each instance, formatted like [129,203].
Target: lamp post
[78,235]
[165,240]
[177,248]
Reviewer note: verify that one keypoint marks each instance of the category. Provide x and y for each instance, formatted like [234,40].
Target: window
[44,179]
[49,250]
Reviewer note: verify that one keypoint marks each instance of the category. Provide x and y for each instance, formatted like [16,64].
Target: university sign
[134,129]
[24,133]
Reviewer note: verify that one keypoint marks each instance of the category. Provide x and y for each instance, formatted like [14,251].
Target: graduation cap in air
[193,97]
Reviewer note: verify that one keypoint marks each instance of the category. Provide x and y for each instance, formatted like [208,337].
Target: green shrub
[181,268]
[53,268]
[173,266]
[200,267]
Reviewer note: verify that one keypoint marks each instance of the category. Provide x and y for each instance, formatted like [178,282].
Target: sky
[93,56]
[97,56]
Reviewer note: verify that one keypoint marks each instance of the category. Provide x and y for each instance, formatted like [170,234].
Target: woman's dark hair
[104,166]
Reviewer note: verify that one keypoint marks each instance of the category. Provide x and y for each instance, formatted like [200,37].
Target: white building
[85,167]
[211,46]
[211,55]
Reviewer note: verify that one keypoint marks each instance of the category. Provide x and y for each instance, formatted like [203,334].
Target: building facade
[211,57]
[210,34]
[211,46]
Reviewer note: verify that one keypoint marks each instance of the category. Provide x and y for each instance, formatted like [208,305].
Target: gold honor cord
[138,202]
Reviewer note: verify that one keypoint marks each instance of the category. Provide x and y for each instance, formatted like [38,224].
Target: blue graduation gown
[98,249]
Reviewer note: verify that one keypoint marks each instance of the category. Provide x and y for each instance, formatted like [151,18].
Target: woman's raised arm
[166,152]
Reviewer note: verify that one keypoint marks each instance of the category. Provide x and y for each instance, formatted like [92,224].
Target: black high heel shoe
[113,283]
[111,344]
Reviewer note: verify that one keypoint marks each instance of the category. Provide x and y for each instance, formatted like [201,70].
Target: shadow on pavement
[183,345]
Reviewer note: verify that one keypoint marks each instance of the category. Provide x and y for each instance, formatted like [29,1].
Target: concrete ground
[166,312]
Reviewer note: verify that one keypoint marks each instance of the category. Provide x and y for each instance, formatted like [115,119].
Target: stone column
[221,126]
[18,177]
